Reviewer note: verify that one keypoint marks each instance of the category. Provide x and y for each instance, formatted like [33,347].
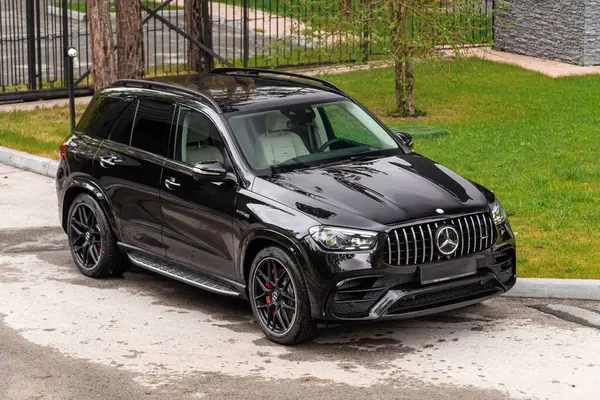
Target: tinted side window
[198,139]
[121,131]
[99,116]
[152,126]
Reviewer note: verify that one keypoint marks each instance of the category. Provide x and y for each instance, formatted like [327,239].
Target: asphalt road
[65,336]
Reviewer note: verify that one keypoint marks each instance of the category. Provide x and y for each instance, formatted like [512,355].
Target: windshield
[308,135]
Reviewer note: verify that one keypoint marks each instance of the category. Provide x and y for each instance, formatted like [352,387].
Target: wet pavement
[65,336]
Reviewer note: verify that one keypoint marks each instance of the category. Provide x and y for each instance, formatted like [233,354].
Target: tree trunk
[104,65]
[130,40]
[400,86]
[410,81]
[196,17]
[398,15]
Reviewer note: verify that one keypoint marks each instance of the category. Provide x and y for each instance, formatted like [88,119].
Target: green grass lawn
[533,140]
[38,132]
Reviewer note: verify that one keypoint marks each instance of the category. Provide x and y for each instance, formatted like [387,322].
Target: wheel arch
[79,186]
[262,237]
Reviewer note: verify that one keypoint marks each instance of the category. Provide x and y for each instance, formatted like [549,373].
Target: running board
[191,278]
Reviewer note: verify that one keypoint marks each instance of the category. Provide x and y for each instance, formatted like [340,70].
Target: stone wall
[592,33]
[565,30]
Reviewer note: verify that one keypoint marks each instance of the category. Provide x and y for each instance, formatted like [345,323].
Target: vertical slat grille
[416,244]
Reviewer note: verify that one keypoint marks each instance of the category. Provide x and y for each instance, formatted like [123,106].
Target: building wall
[592,33]
[565,30]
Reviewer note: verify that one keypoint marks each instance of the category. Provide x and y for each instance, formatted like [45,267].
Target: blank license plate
[448,270]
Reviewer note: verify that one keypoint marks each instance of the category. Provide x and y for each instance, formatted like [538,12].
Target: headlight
[498,213]
[342,239]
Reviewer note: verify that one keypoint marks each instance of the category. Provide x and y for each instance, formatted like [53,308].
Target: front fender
[261,232]
[295,249]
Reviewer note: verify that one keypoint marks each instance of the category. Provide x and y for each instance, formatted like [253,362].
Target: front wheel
[279,298]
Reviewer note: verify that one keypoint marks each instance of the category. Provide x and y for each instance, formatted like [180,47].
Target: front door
[128,167]
[197,215]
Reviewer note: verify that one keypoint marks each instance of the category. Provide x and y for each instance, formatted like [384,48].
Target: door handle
[109,161]
[171,183]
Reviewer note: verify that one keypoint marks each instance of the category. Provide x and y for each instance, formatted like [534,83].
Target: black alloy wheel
[276,300]
[91,239]
[86,238]
[279,298]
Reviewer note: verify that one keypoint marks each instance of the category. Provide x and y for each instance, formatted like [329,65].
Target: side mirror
[209,171]
[406,138]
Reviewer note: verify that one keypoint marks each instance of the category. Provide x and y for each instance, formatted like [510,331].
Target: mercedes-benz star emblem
[447,240]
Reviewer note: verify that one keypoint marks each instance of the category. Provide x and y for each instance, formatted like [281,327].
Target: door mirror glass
[406,138]
[209,171]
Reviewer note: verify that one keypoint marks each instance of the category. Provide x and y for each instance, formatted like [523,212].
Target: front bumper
[389,295]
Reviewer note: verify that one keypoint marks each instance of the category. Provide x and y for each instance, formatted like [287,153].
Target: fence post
[68,64]
[31,65]
[493,19]
[209,61]
[38,27]
[246,34]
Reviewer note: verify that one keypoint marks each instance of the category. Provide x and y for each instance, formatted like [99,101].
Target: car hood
[386,190]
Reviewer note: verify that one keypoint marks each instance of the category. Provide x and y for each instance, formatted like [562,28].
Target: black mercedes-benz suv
[280,189]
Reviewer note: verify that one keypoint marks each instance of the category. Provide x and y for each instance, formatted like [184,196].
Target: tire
[91,240]
[287,324]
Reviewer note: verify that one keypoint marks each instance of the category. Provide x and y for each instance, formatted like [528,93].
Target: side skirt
[150,262]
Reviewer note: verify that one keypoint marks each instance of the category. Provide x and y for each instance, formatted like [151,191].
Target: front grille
[414,244]
[447,296]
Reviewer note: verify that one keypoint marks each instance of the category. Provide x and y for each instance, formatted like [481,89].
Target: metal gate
[254,33]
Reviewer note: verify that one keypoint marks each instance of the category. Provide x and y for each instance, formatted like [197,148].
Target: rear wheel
[92,242]
[279,298]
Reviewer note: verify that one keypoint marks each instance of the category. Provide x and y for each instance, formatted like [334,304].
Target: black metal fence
[255,33]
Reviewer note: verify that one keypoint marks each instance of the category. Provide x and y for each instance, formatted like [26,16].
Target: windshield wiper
[364,158]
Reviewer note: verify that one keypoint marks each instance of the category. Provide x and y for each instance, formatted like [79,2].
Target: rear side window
[100,115]
[152,126]
[121,132]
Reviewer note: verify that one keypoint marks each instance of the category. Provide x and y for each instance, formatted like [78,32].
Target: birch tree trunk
[104,63]
[130,40]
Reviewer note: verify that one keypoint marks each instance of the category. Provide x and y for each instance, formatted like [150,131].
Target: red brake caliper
[268,298]
[272,274]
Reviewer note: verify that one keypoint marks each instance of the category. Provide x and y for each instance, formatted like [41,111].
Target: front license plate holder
[447,270]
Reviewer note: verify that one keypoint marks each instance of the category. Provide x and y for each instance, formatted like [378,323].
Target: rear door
[129,167]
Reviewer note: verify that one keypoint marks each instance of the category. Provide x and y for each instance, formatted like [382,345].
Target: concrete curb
[29,162]
[580,289]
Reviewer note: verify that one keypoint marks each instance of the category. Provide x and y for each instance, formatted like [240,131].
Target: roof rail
[258,71]
[148,84]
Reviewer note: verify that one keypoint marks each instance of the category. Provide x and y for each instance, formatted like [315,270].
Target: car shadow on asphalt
[236,315]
